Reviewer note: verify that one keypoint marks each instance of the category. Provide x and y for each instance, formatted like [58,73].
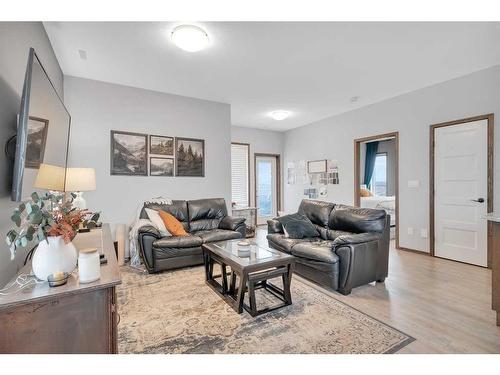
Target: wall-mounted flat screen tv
[42,134]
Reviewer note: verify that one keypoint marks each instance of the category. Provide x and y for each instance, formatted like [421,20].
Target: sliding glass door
[266,187]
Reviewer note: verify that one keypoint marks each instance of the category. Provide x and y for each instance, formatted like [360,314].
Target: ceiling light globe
[279,115]
[190,38]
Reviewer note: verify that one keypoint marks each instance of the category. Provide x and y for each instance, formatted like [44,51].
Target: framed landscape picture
[161,145]
[129,153]
[37,137]
[190,157]
[161,167]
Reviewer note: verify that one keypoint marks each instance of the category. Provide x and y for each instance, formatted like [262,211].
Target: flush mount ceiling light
[190,38]
[279,115]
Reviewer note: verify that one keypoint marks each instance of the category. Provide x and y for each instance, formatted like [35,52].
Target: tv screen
[42,133]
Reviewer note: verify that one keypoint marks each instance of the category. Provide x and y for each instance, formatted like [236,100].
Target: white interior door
[460,188]
[266,180]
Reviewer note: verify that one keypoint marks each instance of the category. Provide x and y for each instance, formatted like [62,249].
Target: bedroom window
[379,180]
[240,178]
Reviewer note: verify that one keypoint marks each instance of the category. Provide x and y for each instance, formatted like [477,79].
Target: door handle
[479,200]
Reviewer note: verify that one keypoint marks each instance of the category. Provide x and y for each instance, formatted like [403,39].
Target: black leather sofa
[352,247]
[206,220]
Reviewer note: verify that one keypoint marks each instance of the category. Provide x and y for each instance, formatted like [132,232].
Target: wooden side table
[72,318]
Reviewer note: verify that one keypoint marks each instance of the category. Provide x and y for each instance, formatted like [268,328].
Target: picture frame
[189,163]
[128,153]
[161,145]
[162,167]
[317,166]
[37,138]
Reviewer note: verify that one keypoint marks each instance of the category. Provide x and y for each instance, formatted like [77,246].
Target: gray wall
[261,141]
[15,40]
[98,107]
[410,114]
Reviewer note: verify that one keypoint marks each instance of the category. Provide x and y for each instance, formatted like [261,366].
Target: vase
[52,256]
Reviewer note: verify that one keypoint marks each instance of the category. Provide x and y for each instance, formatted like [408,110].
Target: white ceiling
[311,69]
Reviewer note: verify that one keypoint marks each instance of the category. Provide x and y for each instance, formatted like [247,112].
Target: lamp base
[79,202]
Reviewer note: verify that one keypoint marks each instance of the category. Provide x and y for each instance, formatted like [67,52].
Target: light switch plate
[423,233]
[410,231]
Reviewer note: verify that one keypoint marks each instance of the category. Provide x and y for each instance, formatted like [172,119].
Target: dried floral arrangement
[46,216]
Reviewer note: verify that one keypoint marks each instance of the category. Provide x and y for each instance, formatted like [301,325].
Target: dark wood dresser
[73,318]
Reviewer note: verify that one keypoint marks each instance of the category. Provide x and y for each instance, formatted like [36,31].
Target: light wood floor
[444,305]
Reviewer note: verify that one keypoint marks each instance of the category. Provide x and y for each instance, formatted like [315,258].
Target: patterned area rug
[175,312]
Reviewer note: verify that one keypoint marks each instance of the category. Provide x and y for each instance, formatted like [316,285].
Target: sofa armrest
[274,226]
[147,235]
[358,260]
[231,223]
[236,224]
[149,230]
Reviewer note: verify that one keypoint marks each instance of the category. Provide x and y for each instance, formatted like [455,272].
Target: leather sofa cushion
[207,209]
[316,211]
[204,224]
[352,239]
[285,244]
[177,209]
[206,214]
[332,234]
[182,242]
[217,235]
[169,252]
[318,250]
[357,220]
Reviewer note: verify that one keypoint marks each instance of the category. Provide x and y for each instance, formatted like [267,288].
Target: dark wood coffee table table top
[249,257]
[253,265]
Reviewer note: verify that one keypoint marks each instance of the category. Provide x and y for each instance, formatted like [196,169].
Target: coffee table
[253,266]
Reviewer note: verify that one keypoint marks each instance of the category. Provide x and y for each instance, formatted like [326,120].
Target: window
[240,178]
[378,183]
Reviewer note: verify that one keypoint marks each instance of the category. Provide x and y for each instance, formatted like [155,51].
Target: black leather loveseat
[351,247]
[205,220]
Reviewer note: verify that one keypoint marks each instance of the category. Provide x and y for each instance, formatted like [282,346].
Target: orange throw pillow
[173,225]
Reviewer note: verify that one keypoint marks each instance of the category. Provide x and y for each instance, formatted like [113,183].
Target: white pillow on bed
[156,219]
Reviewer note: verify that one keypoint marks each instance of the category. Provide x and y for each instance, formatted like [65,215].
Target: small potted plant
[52,223]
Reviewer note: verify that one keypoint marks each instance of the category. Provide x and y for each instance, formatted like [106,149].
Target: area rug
[175,312]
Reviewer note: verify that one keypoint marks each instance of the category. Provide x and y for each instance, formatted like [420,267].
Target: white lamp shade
[50,177]
[80,179]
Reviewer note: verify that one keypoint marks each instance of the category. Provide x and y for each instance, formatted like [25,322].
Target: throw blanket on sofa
[135,257]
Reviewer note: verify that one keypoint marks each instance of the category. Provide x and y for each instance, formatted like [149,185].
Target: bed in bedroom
[382,203]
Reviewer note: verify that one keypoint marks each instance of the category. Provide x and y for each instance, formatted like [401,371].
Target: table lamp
[79,180]
[50,177]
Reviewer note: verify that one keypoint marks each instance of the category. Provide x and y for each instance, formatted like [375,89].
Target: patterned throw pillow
[298,226]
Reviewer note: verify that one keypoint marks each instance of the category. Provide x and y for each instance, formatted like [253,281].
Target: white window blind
[239,174]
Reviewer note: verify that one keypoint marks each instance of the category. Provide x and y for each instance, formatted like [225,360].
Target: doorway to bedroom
[376,170]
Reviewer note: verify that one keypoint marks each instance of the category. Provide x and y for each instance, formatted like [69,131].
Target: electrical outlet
[410,231]
[423,233]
